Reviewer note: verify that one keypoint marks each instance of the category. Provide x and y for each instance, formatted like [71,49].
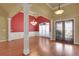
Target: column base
[26,52]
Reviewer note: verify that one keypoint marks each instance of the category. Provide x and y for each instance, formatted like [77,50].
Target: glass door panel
[59,31]
[69,31]
[40,30]
[44,29]
[47,30]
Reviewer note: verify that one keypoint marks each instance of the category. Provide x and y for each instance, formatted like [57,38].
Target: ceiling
[55,5]
[10,8]
[40,9]
[44,9]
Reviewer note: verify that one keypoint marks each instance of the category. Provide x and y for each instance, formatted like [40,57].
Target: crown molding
[49,6]
[32,13]
[63,5]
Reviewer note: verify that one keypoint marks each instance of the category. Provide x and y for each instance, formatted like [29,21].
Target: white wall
[33,33]
[36,33]
[16,35]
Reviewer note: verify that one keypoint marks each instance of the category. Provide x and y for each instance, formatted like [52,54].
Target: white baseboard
[3,40]
[76,43]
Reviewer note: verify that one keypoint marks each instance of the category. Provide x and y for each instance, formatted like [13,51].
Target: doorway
[44,29]
[64,31]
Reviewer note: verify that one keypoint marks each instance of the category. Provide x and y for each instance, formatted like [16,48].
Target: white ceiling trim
[63,5]
[33,13]
[49,6]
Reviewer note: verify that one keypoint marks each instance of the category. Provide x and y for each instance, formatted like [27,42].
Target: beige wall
[70,11]
[3,25]
[3,29]
[6,11]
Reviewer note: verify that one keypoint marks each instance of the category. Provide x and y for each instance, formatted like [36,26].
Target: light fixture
[33,22]
[59,11]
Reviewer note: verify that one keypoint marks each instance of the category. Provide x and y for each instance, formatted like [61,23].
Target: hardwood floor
[43,46]
[39,46]
[11,48]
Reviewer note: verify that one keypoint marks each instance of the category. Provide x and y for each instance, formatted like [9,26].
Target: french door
[44,29]
[64,31]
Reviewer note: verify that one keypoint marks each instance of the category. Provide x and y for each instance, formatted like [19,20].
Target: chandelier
[33,22]
[59,11]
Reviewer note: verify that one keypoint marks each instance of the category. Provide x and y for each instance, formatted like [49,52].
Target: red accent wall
[31,27]
[39,20]
[17,23]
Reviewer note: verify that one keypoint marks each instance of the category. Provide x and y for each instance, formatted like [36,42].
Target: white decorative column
[26,28]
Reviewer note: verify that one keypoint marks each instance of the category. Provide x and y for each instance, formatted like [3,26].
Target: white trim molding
[3,40]
[9,27]
[63,5]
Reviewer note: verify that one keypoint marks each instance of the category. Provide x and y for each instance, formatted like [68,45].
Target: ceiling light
[33,22]
[59,11]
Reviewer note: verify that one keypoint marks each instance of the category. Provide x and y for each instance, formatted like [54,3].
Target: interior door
[65,31]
